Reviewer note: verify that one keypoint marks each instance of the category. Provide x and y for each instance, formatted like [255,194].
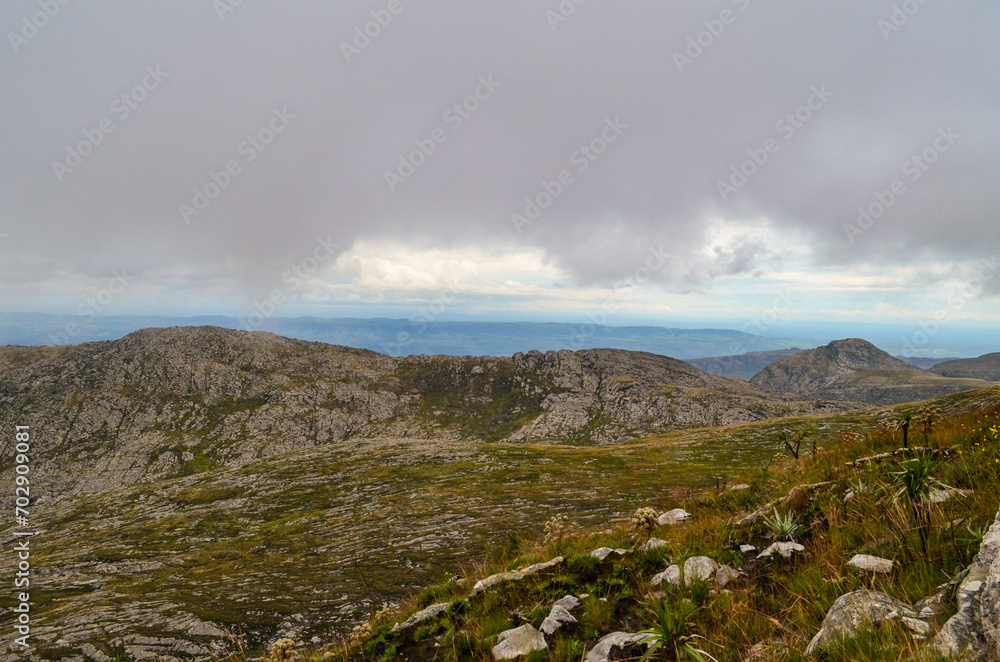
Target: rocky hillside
[741,366]
[163,403]
[856,370]
[985,367]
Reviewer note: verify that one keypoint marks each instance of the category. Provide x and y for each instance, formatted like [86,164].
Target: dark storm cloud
[822,104]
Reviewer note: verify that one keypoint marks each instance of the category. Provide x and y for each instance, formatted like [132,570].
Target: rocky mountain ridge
[168,402]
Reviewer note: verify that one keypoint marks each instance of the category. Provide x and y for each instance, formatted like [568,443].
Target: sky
[738,160]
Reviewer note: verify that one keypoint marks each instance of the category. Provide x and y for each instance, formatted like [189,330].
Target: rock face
[856,370]
[160,403]
[855,610]
[973,633]
[519,642]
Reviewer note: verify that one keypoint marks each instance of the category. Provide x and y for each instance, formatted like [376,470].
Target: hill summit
[854,369]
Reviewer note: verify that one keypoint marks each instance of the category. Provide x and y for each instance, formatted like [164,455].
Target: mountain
[401,337]
[985,367]
[925,362]
[165,402]
[855,370]
[741,366]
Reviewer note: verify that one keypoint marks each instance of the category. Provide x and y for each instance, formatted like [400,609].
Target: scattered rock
[569,602]
[974,631]
[621,641]
[739,488]
[421,616]
[557,618]
[785,549]
[518,642]
[747,549]
[725,576]
[653,543]
[671,575]
[940,496]
[871,563]
[672,517]
[853,611]
[604,552]
[492,580]
[699,567]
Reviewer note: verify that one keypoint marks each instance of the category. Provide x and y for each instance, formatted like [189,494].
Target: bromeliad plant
[672,633]
[783,526]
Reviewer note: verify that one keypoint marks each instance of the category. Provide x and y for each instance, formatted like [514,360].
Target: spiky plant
[783,526]
[671,633]
[914,483]
[903,421]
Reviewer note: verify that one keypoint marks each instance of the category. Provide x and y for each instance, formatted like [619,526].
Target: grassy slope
[331,532]
[786,604]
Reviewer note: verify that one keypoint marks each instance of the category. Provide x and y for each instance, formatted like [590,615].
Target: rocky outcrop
[613,643]
[533,569]
[859,609]
[518,643]
[423,615]
[973,633]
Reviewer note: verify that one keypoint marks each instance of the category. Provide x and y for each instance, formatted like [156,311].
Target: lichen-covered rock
[672,575]
[672,517]
[973,633]
[492,580]
[603,649]
[871,563]
[518,642]
[558,617]
[421,616]
[785,550]
[725,576]
[853,611]
[699,567]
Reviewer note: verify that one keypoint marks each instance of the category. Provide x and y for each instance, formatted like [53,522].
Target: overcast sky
[214,156]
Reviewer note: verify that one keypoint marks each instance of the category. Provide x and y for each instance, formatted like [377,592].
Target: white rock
[487,582]
[739,488]
[653,543]
[602,649]
[940,496]
[922,628]
[518,642]
[747,549]
[675,516]
[725,576]
[871,563]
[671,575]
[569,603]
[604,552]
[557,618]
[785,549]
[699,567]
[421,616]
